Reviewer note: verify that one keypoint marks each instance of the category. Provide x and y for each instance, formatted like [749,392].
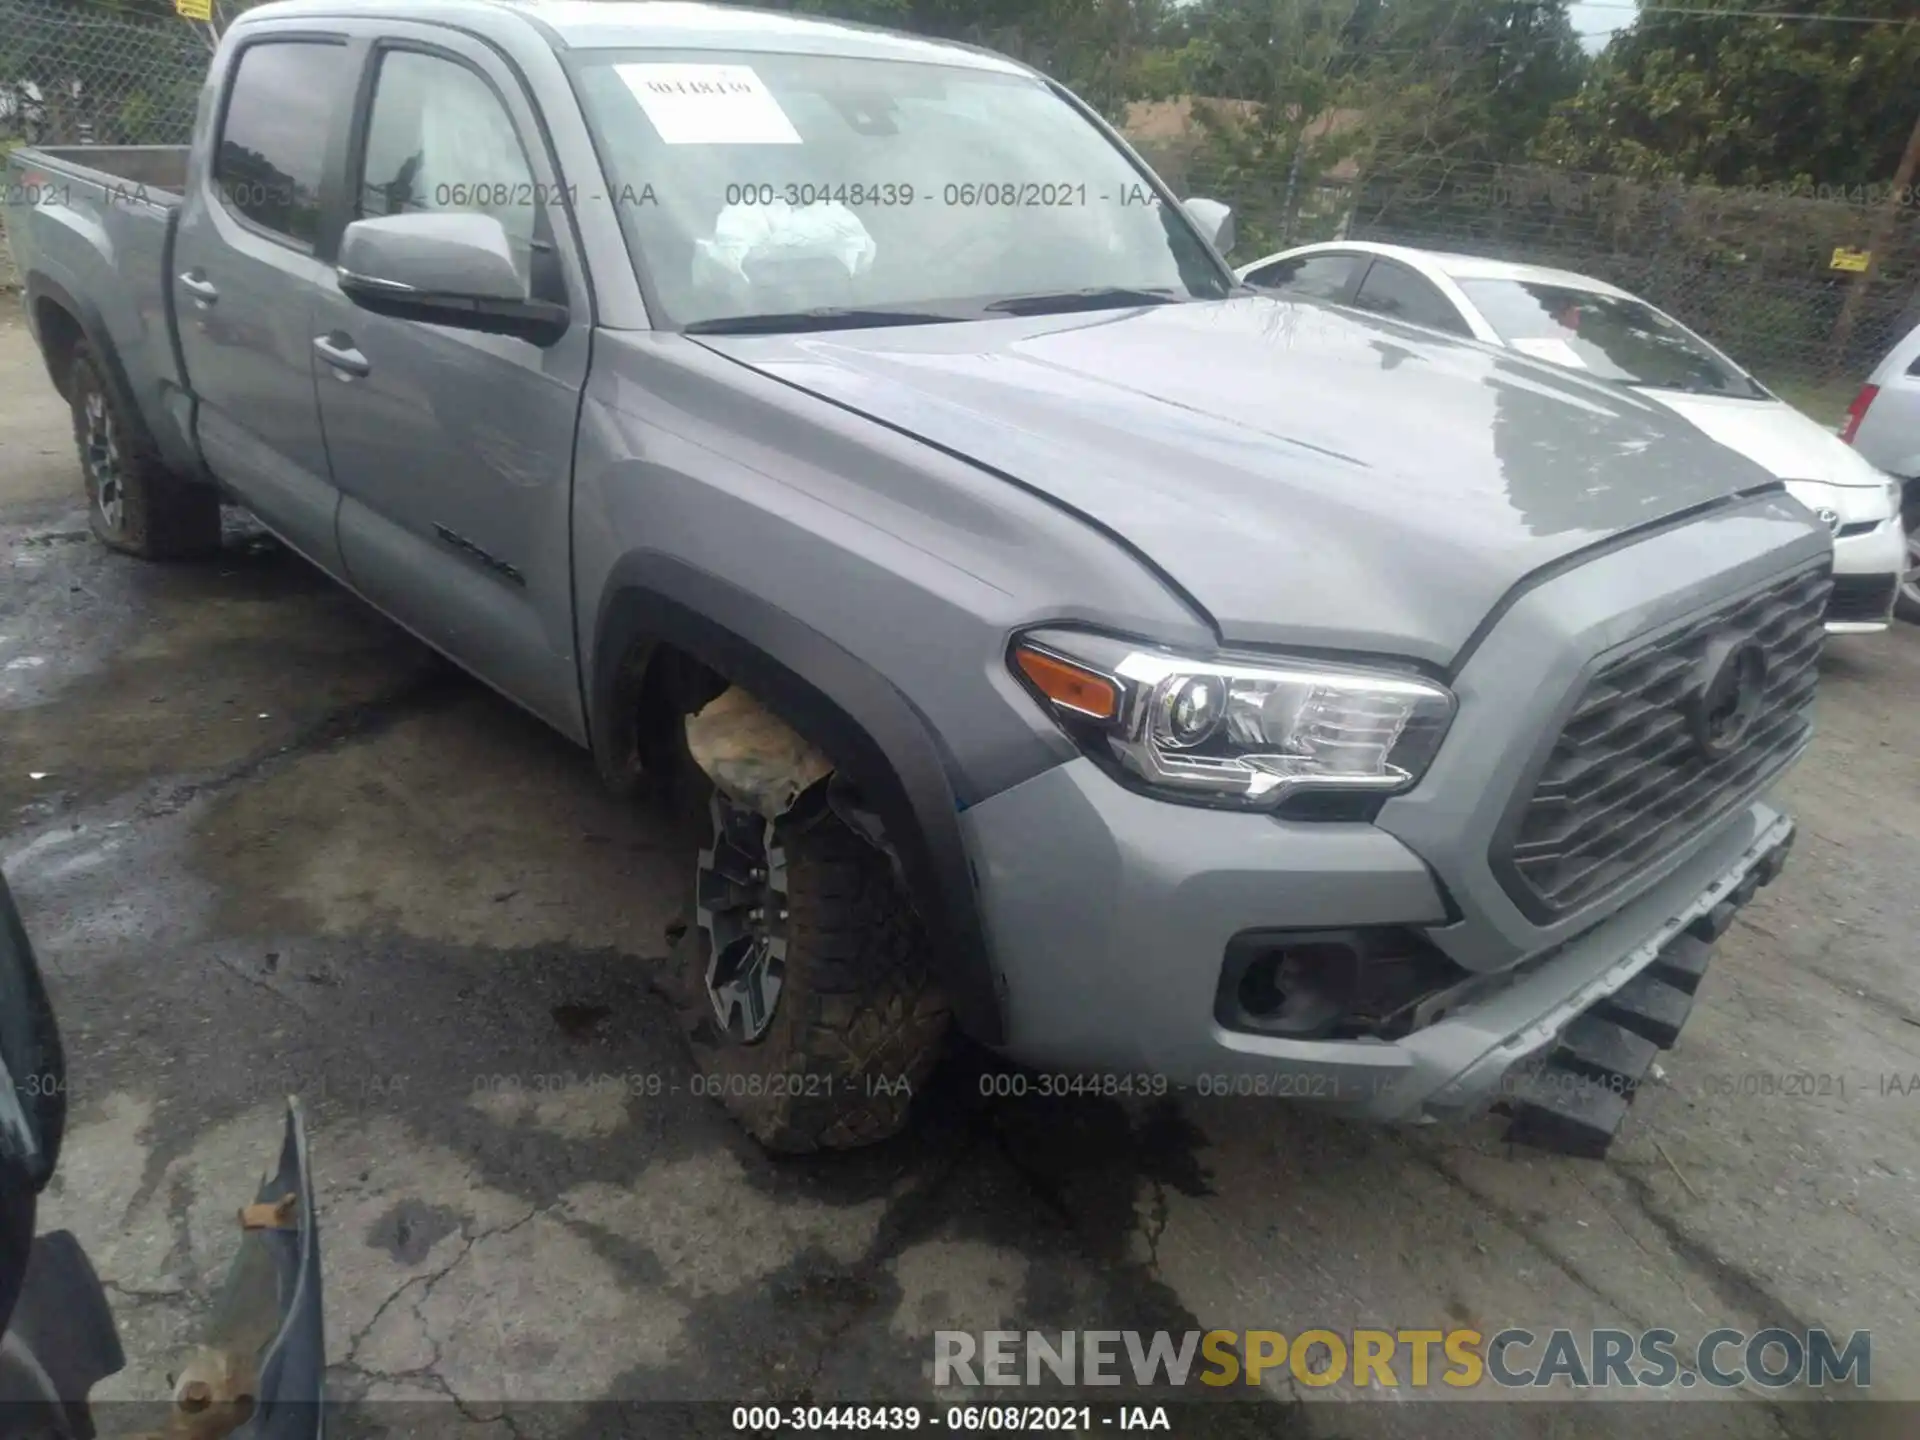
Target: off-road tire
[155,514]
[860,1021]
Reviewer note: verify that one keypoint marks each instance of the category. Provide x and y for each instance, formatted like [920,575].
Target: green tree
[1487,76]
[1106,50]
[1748,100]
[1316,83]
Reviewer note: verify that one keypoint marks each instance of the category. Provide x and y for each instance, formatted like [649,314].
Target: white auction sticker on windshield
[709,104]
[1551,348]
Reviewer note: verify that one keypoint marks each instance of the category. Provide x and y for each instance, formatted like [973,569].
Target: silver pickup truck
[1179,689]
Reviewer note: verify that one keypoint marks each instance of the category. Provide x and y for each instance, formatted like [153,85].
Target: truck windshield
[767,189]
[1614,337]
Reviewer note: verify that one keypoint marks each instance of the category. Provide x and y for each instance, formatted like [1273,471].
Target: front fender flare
[866,726]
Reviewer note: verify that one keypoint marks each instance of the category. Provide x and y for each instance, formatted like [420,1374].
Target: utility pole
[1877,241]
[1293,181]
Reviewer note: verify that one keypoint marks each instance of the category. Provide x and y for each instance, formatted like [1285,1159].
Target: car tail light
[1857,412]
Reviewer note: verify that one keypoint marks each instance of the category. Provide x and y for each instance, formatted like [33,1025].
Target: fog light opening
[1336,984]
[1298,989]
[1260,992]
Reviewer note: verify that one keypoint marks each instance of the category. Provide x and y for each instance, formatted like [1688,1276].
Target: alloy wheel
[103,463]
[1910,582]
[740,900]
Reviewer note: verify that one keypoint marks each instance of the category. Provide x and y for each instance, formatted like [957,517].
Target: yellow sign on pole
[1843,258]
[194,9]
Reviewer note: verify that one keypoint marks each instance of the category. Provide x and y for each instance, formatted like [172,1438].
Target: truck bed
[160,170]
[91,228]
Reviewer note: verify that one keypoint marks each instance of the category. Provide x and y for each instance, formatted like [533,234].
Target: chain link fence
[73,75]
[79,76]
[1751,269]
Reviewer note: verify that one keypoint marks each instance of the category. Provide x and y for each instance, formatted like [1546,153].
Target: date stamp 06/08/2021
[1008,1083]
[1017,1084]
[491,194]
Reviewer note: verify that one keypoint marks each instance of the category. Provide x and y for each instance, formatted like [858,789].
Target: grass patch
[1824,400]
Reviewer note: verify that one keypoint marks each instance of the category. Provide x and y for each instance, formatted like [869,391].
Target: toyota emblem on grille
[1722,708]
[1828,518]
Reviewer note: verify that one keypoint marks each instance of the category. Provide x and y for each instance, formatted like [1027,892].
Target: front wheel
[1907,606]
[804,983]
[134,503]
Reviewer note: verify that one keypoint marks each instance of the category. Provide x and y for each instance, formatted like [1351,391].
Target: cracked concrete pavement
[267,845]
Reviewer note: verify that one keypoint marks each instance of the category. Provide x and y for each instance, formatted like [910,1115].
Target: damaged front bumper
[1568,1078]
[1128,986]
[262,1362]
[1564,1042]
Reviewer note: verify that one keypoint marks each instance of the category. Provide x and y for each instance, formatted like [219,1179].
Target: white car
[1587,324]
[1883,424]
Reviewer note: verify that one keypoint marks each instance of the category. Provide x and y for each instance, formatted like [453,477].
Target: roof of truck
[667,25]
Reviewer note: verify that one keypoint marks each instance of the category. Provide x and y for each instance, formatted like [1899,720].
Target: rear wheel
[1907,607]
[803,982]
[134,503]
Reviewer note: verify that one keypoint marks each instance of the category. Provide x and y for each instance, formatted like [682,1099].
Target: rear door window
[281,108]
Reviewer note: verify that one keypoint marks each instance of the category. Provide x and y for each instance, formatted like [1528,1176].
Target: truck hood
[1305,476]
[1773,434]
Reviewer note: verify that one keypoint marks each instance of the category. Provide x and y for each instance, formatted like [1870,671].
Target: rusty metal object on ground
[282,1215]
[215,1394]
[217,1389]
[756,759]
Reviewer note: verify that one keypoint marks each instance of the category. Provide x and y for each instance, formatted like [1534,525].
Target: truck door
[452,449]
[246,278]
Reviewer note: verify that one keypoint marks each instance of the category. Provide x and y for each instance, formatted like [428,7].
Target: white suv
[1883,424]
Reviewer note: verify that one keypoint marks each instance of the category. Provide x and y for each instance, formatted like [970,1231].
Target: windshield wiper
[1100,298]
[826,317]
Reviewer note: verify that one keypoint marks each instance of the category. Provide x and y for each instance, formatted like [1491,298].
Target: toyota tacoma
[850,435]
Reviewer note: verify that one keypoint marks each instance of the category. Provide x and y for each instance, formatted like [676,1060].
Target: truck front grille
[1646,760]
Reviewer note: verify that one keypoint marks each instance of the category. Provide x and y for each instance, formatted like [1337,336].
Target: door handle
[342,356]
[199,288]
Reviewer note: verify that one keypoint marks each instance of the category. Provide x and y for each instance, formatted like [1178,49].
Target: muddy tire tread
[860,1006]
[1905,607]
[167,518]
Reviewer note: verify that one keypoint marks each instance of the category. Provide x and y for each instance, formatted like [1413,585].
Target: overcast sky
[1596,22]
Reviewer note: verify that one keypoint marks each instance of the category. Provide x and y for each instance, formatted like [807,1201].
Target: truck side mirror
[1215,221]
[444,268]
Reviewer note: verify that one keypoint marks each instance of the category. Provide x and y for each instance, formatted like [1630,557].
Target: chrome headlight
[1244,732]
